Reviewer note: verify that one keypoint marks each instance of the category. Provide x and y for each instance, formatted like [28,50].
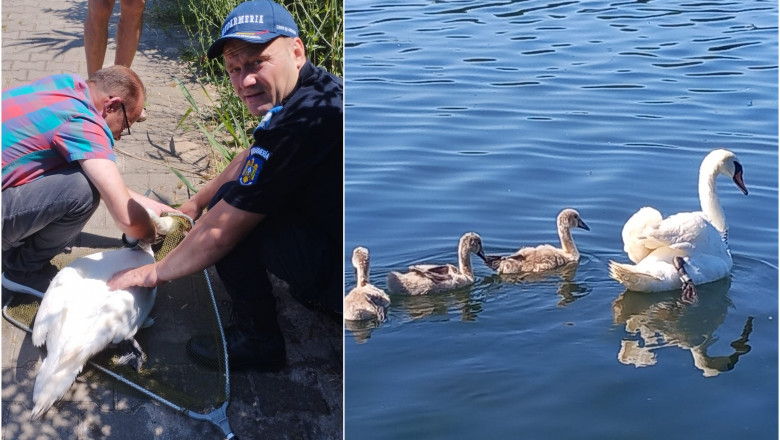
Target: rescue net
[183,308]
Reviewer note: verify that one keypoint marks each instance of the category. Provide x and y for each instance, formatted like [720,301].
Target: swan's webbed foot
[132,355]
[689,295]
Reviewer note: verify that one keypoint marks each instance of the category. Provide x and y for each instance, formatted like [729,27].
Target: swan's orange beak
[738,178]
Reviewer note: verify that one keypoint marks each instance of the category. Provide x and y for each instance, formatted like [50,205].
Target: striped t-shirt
[47,125]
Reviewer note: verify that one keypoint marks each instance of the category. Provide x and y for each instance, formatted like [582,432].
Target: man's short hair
[120,81]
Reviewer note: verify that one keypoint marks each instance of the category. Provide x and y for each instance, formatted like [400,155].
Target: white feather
[79,316]
[652,242]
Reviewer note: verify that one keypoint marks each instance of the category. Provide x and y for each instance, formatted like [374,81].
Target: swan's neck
[464,261]
[710,203]
[361,273]
[567,242]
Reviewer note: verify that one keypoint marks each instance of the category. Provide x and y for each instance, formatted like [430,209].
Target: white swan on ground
[429,278]
[684,249]
[364,301]
[544,257]
[79,317]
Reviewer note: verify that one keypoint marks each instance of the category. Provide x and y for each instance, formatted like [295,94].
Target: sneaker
[33,283]
[142,118]
[246,349]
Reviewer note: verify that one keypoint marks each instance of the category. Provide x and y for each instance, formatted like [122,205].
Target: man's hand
[144,276]
[190,209]
[157,207]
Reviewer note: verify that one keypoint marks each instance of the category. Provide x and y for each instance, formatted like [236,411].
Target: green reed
[227,124]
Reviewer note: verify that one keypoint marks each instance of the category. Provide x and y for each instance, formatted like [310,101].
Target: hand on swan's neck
[710,203]
[567,242]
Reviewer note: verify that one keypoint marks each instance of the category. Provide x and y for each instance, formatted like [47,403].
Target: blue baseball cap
[256,21]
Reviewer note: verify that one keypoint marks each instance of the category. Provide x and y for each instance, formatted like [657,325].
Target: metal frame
[217,416]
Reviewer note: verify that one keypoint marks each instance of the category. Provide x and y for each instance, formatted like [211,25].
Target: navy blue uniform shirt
[296,166]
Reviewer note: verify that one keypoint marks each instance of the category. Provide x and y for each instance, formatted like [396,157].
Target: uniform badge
[253,165]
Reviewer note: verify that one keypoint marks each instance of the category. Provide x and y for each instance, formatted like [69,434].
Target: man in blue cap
[277,206]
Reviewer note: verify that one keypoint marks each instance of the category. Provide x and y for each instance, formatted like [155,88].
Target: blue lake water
[492,117]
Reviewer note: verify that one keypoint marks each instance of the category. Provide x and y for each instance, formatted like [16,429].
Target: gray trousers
[42,217]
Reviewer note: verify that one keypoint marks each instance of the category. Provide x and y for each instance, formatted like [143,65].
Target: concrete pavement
[303,401]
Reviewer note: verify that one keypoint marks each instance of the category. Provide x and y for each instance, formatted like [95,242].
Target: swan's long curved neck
[464,262]
[567,242]
[710,202]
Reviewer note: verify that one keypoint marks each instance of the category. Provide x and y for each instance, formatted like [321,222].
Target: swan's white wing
[636,230]
[679,228]
[79,291]
[86,330]
[705,268]
[102,265]
[688,228]
[52,304]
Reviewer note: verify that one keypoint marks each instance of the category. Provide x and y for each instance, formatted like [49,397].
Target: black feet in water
[689,295]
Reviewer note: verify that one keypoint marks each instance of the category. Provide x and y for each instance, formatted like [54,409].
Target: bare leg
[96,33]
[689,295]
[128,31]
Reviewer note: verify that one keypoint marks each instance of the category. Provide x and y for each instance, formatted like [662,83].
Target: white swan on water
[79,317]
[684,249]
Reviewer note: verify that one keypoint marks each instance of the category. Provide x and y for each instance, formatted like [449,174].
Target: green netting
[182,308]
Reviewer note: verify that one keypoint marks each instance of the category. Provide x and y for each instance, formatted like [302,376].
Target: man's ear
[299,51]
[111,104]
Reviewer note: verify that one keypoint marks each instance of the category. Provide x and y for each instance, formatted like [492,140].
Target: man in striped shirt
[58,135]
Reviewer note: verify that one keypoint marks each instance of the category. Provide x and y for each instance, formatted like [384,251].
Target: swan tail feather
[630,278]
[52,382]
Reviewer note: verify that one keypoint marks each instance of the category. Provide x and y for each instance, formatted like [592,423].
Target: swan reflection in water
[568,290]
[657,320]
[433,306]
[361,330]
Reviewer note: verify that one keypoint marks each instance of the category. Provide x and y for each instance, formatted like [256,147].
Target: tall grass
[228,124]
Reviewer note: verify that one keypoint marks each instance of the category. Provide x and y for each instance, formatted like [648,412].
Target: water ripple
[492,116]
[732,46]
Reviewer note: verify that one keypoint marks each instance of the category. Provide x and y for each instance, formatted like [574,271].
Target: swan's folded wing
[436,273]
[423,268]
[636,230]
[517,256]
[686,227]
[52,305]
[378,297]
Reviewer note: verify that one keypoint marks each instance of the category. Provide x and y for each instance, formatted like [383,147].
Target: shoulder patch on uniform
[253,165]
